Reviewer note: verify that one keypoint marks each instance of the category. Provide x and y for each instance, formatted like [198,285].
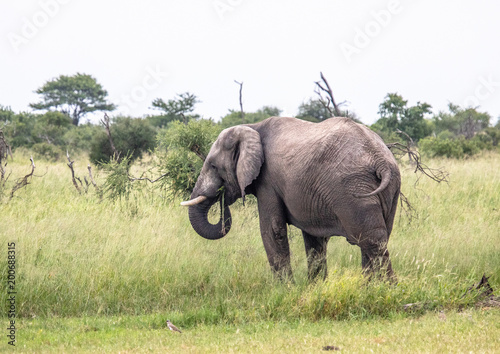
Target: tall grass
[78,255]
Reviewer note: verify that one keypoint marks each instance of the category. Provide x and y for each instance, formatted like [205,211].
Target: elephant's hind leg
[374,254]
[316,255]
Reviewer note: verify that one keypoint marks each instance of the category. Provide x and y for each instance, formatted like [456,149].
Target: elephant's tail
[385,175]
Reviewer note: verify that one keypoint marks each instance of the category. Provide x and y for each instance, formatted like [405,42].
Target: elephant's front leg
[316,255]
[273,229]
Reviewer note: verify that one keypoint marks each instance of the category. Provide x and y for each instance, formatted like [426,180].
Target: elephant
[333,178]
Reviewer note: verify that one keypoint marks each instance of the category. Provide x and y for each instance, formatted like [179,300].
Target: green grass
[84,263]
[467,331]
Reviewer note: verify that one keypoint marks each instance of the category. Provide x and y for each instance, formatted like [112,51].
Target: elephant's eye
[213,167]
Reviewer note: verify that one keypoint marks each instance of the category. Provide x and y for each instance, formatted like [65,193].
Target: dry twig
[415,159]
[92,179]
[4,154]
[5,149]
[241,102]
[329,99]
[105,123]
[22,182]
[73,178]
[437,175]
[132,179]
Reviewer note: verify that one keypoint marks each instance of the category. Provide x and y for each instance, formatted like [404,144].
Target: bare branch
[5,149]
[87,184]
[132,179]
[407,208]
[437,175]
[22,182]
[98,190]
[92,178]
[70,165]
[105,122]
[241,102]
[330,98]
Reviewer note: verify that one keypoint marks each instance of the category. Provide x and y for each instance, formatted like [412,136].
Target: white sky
[428,51]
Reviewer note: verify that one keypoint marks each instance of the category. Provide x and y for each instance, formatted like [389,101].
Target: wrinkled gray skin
[335,178]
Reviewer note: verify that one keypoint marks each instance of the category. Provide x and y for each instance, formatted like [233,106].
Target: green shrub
[483,140]
[454,148]
[183,147]
[49,152]
[80,138]
[494,134]
[118,184]
[131,137]
[51,127]
[390,137]
[446,135]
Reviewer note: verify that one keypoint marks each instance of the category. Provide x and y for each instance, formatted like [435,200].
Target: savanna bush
[46,151]
[131,137]
[494,134]
[443,146]
[181,150]
[79,138]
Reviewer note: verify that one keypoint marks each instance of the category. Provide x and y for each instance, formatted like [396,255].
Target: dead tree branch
[70,165]
[435,174]
[4,154]
[407,208]
[5,149]
[105,123]
[415,159]
[92,178]
[87,184]
[22,182]
[132,179]
[325,87]
[241,102]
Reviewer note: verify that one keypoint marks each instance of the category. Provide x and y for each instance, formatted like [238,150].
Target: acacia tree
[461,121]
[315,111]
[396,115]
[178,109]
[74,96]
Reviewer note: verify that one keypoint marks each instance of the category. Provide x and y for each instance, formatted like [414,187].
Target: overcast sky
[429,51]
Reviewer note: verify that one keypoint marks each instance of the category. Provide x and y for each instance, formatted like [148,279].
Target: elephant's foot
[316,256]
[378,267]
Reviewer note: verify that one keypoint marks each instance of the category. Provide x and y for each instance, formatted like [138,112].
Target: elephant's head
[233,163]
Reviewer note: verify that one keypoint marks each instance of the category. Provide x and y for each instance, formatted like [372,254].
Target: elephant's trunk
[198,216]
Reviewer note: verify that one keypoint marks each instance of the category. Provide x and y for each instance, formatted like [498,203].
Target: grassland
[105,275]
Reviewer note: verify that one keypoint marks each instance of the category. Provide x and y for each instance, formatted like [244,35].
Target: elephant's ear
[251,157]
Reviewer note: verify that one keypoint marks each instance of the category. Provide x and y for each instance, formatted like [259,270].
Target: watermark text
[11,293]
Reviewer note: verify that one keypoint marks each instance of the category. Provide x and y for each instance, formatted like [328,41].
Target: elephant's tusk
[194,201]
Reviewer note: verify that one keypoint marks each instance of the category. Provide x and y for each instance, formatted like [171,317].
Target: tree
[391,111]
[178,109]
[74,96]
[51,127]
[234,117]
[313,111]
[131,137]
[182,149]
[396,115]
[18,127]
[414,123]
[459,121]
